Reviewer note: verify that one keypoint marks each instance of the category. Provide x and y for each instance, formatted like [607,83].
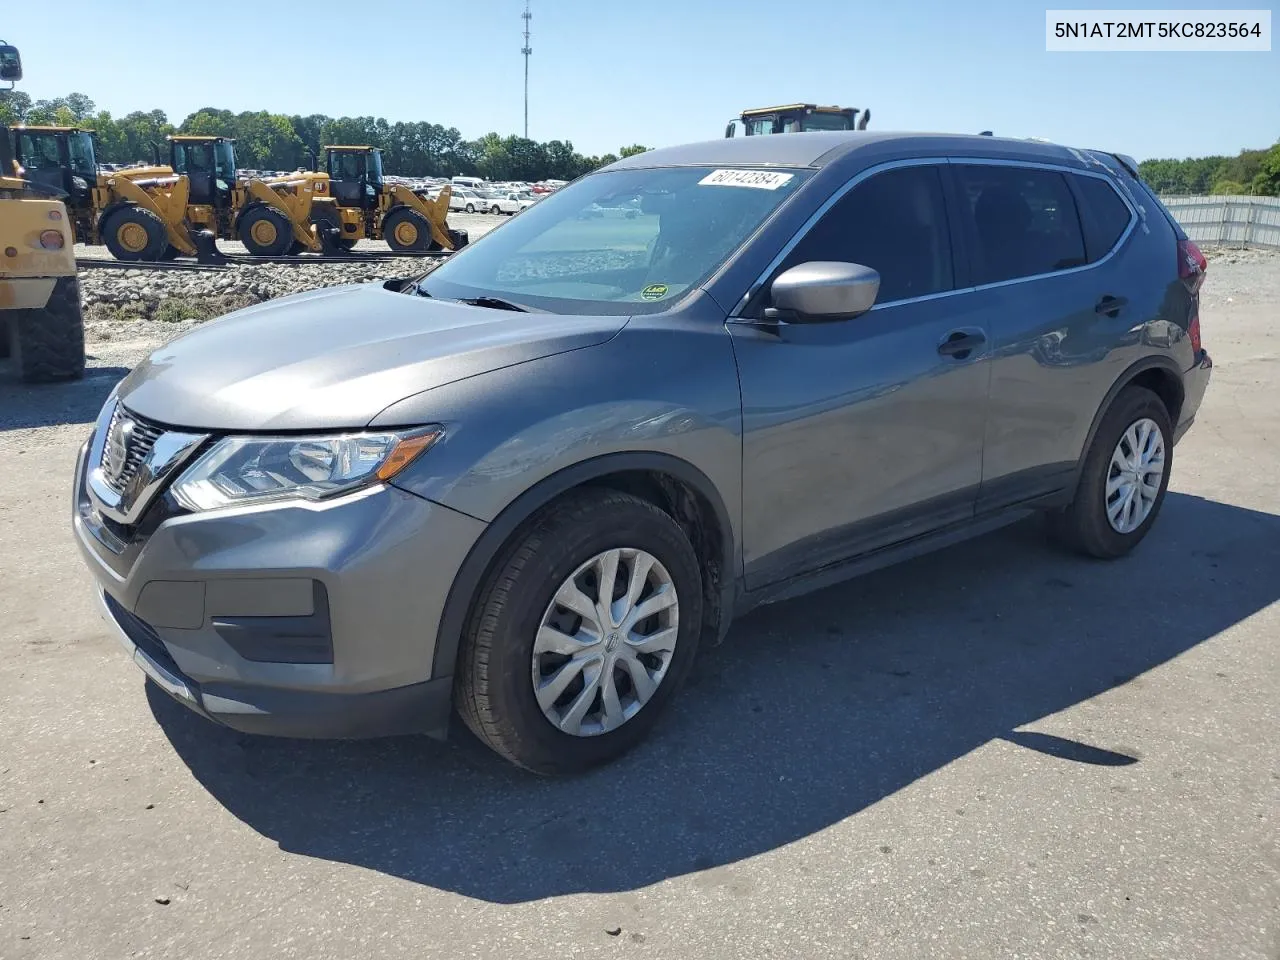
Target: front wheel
[470,208]
[136,234]
[406,230]
[582,634]
[266,232]
[1124,479]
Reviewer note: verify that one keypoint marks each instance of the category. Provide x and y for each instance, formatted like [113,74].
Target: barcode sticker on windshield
[759,179]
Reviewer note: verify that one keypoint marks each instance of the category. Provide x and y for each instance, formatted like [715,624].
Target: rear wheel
[582,634]
[48,345]
[408,231]
[1125,476]
[135,233]
[265,232]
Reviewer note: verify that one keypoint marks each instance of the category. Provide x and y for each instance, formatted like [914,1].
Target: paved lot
[996,751]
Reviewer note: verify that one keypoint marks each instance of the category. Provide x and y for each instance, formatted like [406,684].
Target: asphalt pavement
[999,750]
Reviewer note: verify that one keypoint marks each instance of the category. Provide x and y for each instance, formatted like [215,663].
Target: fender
[1154,361]
[486,549]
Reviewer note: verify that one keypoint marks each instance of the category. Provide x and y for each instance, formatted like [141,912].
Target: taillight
[1191,268]
[1191,264]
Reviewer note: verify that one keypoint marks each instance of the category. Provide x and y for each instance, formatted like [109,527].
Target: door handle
[1110,305]
[961,343]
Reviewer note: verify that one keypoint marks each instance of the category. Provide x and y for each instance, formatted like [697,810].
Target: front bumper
[295,619]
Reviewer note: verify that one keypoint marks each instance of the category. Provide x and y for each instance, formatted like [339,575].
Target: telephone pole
[526,50]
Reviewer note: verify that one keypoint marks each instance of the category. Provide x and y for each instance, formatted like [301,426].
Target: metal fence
[1228,221]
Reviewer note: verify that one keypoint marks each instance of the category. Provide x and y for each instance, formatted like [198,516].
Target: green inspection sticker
[654,291]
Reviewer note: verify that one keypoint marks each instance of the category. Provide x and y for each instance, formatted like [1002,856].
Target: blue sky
[607,73]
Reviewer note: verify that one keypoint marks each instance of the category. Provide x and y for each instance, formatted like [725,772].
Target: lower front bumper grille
[143,637]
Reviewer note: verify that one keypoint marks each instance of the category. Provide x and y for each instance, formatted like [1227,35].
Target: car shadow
[811,711]
[27,405]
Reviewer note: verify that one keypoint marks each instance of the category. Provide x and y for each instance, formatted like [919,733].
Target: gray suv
[532,482]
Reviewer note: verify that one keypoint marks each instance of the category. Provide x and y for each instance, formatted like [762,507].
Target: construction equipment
[156,212]
[41,324]
[360,204]
[797,118]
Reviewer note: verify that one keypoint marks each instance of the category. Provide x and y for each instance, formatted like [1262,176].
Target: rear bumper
[1194,383]
[416,708]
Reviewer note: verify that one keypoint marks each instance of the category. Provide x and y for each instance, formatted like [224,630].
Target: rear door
[1057,302]
[863,432]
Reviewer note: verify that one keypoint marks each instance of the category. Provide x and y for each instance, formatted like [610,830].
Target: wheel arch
[674,485]
[1158,374]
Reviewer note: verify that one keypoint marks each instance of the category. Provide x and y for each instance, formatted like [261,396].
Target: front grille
[129,440]
[143,636]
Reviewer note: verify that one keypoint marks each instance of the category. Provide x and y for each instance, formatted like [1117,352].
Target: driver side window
[894,222]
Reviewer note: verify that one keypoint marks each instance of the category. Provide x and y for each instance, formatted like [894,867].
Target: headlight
[246,470]
[79,183]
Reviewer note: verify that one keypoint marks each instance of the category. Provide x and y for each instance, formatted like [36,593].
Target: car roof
[818,149]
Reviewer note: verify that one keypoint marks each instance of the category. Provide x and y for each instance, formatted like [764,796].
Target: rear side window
[894,222]
[1104,215]
[1023,221]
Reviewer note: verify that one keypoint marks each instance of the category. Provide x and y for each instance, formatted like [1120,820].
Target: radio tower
[526,50]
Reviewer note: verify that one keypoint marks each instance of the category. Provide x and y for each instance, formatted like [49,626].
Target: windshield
[39,151]
[80,148]
[626,242]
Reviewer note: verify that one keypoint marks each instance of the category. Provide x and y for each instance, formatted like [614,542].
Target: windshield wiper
[494,303]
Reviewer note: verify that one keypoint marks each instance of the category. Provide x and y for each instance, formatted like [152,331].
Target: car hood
[334,358]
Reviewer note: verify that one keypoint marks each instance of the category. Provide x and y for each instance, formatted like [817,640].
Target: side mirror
[10,63]
[866,118]
[822,290]
[731,130]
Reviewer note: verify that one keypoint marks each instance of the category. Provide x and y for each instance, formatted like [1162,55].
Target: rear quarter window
[1104,215]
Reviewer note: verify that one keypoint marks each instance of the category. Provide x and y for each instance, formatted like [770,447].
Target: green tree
[141,133]
[632,150]
[1267,180]
[15,105]
[1228,188]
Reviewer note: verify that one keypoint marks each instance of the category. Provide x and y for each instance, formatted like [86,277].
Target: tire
[470,208]
[1084,526]
[495,210]
[328,220]
[265,232]
[136,234]
[494,686]
[48,345]
[408,231]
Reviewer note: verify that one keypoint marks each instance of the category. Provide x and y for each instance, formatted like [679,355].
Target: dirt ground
[995,751]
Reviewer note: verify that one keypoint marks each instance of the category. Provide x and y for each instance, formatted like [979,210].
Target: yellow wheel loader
[360,204]
[41,324]
[159,211]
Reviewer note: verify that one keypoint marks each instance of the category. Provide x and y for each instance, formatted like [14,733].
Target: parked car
[510,202]
[466,200]
[533,482]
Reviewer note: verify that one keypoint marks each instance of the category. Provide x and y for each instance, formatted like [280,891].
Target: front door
[863,432]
